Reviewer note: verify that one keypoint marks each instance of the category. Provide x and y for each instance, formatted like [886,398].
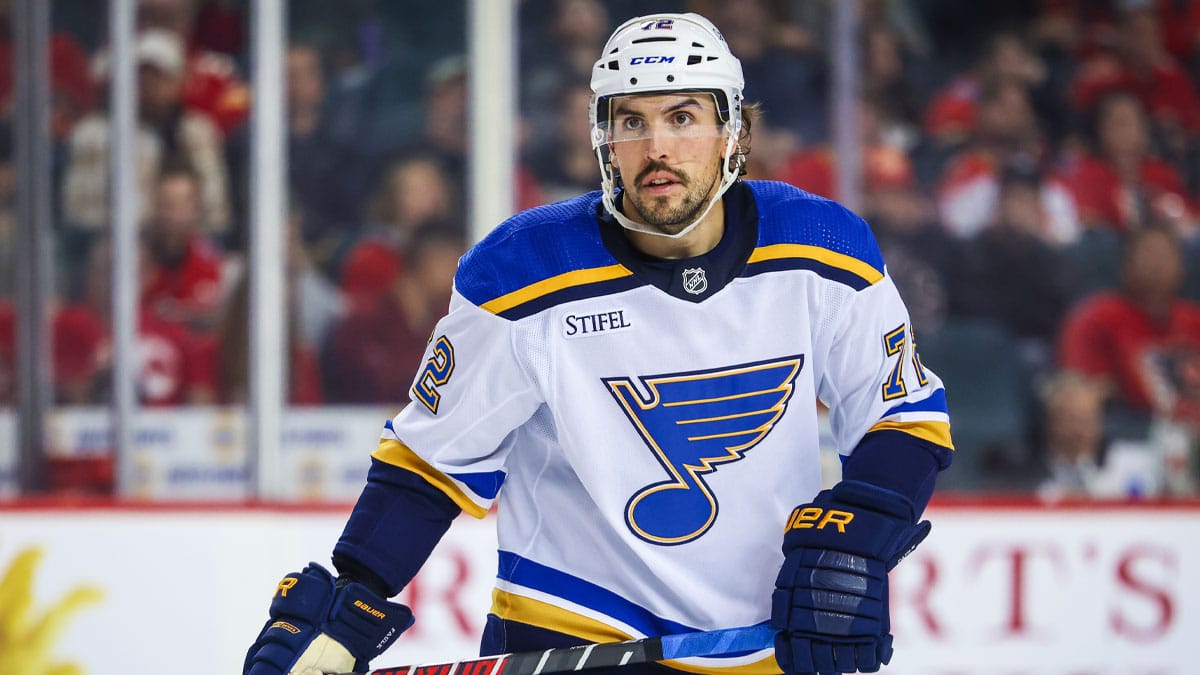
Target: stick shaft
[585,657]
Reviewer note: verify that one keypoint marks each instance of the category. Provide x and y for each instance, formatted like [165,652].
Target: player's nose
[656,145]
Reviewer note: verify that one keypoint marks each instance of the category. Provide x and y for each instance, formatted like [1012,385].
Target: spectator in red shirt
[211,82]
[225,357]
[415,193]
[72,92]
[1132,339]
[220,26]
[1139,63]
[165,352]
[815,168]
[1121,184]
[953,113]
[1006,132]
[183,283]
[168,133]
[312,308]
[374,354]
[1180,25]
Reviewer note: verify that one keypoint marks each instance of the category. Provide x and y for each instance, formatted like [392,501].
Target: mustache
[654,167]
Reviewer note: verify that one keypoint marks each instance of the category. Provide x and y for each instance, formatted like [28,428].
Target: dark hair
[751,113]
[433,233]
[178,167]
[6,141]
[1020,170]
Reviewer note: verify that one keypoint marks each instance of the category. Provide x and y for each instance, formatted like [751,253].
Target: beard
[665,214]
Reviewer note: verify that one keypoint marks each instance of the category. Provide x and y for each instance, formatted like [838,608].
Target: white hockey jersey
[645,443]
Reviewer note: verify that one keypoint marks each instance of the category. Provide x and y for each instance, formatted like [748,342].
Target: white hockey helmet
[663,54]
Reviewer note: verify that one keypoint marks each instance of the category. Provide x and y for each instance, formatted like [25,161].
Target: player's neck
[702,239]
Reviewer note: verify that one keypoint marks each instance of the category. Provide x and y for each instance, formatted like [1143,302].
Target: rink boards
[999,588]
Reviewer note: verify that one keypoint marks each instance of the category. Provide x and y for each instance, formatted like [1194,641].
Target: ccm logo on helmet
[651,59]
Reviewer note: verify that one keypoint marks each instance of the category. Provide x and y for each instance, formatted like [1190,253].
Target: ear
[618,181]
[613,166]
[738,161]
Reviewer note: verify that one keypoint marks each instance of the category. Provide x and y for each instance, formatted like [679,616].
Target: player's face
[668,150]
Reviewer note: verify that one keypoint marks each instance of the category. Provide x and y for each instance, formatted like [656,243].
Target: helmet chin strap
[728,176]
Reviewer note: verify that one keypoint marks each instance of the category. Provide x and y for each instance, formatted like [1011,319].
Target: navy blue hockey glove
[317,627]
[830,603]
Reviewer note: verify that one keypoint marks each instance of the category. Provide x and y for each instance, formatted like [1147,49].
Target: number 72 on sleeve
[897,342]
[437,371]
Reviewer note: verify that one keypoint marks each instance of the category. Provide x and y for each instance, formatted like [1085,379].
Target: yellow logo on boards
[27,634]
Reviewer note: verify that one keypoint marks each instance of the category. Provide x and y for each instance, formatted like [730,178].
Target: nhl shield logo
[694,281]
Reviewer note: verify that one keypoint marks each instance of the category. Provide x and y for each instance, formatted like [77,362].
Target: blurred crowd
[1031,170]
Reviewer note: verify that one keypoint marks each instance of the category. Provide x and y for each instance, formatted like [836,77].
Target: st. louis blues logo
[693,422]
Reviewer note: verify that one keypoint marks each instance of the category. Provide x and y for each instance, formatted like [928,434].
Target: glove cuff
[883,500]
[857,518]
[364,622]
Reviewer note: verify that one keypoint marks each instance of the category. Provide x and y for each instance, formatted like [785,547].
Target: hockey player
[631,377]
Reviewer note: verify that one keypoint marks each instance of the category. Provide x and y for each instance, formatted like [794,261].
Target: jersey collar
[699,277]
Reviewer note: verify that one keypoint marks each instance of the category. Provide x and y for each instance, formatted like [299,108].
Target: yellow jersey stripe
[544,615]
[934,432]
[555,283]
[525,610]
[398,454]
[823,255]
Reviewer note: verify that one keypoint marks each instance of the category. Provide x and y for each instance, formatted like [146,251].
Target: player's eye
[682,119]
[632,123]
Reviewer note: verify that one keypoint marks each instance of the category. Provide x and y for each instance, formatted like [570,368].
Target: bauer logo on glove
[369,609]
[805,517]
[285,585]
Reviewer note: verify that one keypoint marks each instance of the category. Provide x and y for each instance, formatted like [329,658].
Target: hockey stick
[566,659]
